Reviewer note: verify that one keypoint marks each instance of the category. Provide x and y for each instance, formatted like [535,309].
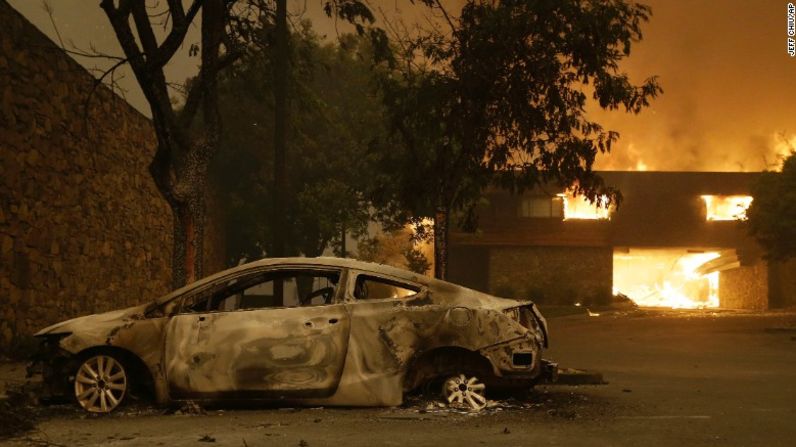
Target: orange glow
[578,207]
[666,278]
[726,207]
[426,246]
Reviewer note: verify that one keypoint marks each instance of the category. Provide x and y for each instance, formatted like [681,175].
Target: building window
[580,208]
[726,207]
[541,207]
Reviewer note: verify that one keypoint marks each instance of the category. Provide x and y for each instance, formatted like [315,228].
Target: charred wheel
[463,390]
[101,383]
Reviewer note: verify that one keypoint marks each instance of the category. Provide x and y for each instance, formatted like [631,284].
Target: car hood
[91,321]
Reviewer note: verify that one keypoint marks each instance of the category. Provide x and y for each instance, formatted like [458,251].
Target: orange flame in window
[726,207]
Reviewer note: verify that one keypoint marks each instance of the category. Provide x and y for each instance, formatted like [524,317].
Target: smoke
[728,102]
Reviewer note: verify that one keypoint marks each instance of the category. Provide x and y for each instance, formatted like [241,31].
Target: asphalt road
[675,378]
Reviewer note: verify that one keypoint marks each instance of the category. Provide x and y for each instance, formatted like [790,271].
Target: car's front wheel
[101,383]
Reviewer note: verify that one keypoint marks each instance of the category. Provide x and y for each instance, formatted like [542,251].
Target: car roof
[326,261]
[368,267]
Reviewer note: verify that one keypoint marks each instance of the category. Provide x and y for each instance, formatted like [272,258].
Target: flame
[666,278]
[579,207]
[726,207]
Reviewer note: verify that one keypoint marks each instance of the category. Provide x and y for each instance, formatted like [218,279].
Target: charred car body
[317,331]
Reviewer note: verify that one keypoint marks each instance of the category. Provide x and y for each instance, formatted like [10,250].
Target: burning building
[677,240]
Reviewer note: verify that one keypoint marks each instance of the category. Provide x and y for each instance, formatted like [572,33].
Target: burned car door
[271,334]
[387,314]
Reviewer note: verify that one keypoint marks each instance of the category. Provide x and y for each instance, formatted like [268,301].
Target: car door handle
[201,318]
[333,321]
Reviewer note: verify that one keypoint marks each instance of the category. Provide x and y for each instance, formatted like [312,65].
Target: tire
[101,383]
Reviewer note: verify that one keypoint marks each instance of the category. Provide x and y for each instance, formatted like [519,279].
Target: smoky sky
[728,101]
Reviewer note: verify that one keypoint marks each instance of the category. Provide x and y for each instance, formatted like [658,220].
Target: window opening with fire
[579,207]
[566,206]
[726,207]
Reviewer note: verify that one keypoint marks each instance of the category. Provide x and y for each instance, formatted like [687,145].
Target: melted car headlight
[527,319]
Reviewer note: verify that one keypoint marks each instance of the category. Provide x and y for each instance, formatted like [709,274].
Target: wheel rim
[100,384]
[462,390]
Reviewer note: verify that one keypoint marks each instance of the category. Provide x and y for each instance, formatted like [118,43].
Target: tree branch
[179,28]
[144,29]
[95,85]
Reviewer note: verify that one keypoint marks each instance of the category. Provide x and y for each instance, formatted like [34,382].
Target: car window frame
[354,275]
[337,298]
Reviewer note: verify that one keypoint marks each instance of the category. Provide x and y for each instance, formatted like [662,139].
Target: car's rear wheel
[101,383]
[464,390]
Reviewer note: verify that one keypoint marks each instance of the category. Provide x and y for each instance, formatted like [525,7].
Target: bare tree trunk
[189,229]
[179,167]
[188,215]
[280,131]
[441,217]
[188,244]
[343,253]
[178,254]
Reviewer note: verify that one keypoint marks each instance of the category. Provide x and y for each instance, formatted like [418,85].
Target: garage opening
[673,278]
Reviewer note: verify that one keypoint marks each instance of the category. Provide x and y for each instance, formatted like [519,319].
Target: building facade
[676,240]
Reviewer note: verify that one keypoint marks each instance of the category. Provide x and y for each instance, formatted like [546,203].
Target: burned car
[315,331]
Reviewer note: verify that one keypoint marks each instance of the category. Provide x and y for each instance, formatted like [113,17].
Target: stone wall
[782,284]
[82,226]
[553,275]
[745,287]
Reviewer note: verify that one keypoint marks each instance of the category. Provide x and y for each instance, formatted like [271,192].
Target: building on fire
[676,240]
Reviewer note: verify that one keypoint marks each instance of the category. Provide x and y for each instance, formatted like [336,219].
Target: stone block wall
[83,228]
[552,275]
[745,287]
[782,284]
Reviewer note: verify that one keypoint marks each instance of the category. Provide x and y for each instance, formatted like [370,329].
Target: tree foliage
[498,95]
[186,144]
[398,248]
[772,214]
[335,116]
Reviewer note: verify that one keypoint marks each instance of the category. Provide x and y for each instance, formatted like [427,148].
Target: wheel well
[142,384]
[440,362]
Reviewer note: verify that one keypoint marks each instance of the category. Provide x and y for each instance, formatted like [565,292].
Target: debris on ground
[564,413]
[15,419]
[189,408]
[18,406]
[207,438]
[572,376]
[550,400]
